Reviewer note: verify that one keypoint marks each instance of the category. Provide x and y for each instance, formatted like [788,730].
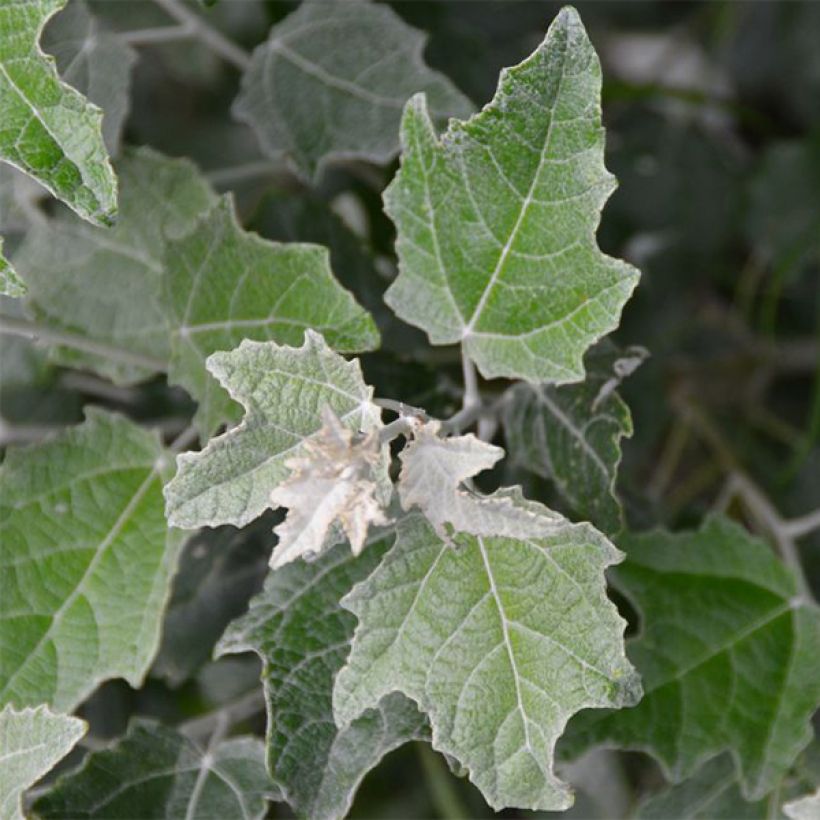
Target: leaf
[805,808]
[499,640]
[219,571]
[50,131]
[283,390]
[713,793]
[87,561]
[224,285]
[32,741]
[496,219]
[432,473]
[156,772]
[94,61]
[335,480]
[572,433]
[728,652]
[302,635]
[330,82]
[10,283]
[105,284]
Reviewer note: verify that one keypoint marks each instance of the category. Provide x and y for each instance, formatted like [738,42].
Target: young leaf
[95,62]
[223,285]
[50,131]
[432,473]
[32,741]
[303,636]
[805,808]
[496,219]
[499,641]
[335,480]
[155,771]
[713,793]
[84,511]
[283,390]
[330,82]
[104,284]
[729,655]
[572,433]
[10,283]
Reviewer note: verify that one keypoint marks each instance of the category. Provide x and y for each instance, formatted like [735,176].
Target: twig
[208,34]
[235,712]
[804,525]
[156,35]
[25,433]
[188,436]
[22,327]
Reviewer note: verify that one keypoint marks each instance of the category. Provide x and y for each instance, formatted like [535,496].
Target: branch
[213,38]
[31,330]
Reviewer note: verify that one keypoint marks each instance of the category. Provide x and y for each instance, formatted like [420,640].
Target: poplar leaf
[804,808]
[571,434]
[739,669]
[104,285]
[223,284]
[50,131]
[155,771]
[499,640]
[32,741]
[432,478]
[283,390]
[335,479]
[330,82]
[10,283]
[85,511]
[496,219]
[302,635]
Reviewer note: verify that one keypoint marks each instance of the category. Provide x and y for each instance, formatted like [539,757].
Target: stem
[213,38]
[188,436]
[31,330]
[401,409]
[154,36]
[400,427]
[805,524]
[235,712]
[472,397]
[446,799]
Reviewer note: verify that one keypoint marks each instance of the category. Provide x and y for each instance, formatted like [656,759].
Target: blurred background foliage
[713,130]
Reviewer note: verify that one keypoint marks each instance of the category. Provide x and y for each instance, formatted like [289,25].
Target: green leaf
[219,570]
[571,434]
[10,282]
[303,637]
[31,742]
[330,82]
[713,793]
[223,285]
[156,772]
[104,285]
[805,808]
[94,61]
[50,131]
[283,390]
[87,561]
[499,641]
[496,219]
[729,655]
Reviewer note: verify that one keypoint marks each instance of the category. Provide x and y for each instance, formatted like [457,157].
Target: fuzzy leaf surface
[85,511]
[10,282]
[283,390]
[499,641]
[49,130]
[224,285]
[571,434]
[330,83]
[156,772]
[804,808]
[302,635]
[496,219]
[32,741]
[104,285]
[728,652]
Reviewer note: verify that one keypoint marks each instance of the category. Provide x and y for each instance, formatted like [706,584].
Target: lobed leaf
[729,654]
[83,510]
[32,741]
[499,640]
[496,219]
[49,130]
[302,635]
[330,82]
